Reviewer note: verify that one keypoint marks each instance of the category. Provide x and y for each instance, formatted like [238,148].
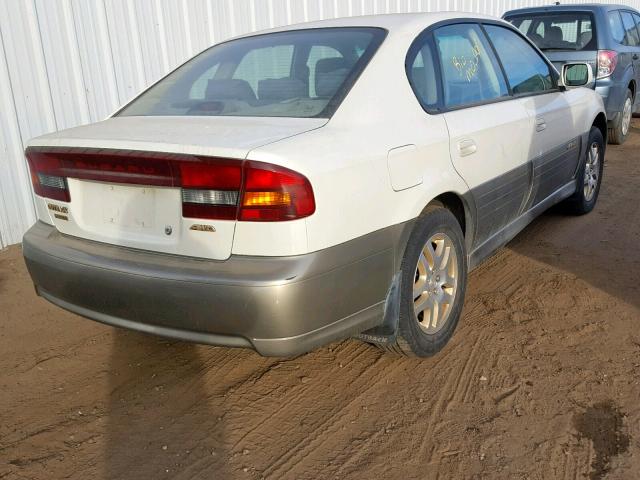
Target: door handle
[540,124]
[466,147]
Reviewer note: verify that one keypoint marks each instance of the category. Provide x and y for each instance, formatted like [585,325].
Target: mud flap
[387,331]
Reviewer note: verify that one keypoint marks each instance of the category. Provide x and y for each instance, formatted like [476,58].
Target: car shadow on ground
[161,420]
[600,248]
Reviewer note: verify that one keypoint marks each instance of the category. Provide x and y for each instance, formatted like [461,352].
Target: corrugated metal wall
[69,62]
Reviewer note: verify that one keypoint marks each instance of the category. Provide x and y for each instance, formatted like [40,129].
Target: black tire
[411,339]
[617,135]
[581,202]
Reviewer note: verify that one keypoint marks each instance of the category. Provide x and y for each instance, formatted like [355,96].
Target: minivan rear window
[558,30]
[297,73]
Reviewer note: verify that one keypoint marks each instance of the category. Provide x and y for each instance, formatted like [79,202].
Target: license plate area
[127,213]
[130,208]
[141,217]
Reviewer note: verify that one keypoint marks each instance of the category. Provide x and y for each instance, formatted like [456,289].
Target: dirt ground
[541,380]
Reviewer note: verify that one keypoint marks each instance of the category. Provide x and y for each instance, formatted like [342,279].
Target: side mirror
[576,75]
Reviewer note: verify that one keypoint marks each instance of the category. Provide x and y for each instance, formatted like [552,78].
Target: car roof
[411,23]
[573,7]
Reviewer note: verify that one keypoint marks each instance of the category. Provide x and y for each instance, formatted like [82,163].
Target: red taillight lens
[211,187]
[46,178]
[607,61]
[273,193]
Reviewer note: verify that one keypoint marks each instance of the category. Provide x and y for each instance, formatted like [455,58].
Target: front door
[551,150]
[555,151]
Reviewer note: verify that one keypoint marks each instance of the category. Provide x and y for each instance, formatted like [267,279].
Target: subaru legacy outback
[286,189]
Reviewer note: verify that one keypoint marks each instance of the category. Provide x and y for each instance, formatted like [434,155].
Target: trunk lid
[150,217]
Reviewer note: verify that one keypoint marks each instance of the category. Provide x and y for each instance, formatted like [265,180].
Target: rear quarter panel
[347,160]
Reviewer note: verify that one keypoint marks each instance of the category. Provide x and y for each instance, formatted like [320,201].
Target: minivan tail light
[211,188]
[607,61]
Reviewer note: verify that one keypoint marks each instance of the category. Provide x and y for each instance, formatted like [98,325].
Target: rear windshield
[300,73]
[558,31]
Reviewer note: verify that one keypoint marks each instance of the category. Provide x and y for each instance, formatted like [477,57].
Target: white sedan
[290,188]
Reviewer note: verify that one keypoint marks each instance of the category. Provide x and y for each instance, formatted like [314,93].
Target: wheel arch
[600,122]
[632,87]
[459,206]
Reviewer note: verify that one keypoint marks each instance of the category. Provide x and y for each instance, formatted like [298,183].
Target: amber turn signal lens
[266,199]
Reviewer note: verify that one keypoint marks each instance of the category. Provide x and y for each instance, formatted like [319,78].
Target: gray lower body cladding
[278,305]
[508,203]
[505,198]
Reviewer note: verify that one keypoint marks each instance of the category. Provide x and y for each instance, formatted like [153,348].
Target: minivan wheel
[589,176]
[433,284]
[618,133]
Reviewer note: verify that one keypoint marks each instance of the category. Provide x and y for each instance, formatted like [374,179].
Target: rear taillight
[607,61]
[271,193]
[212,188]
[46,178]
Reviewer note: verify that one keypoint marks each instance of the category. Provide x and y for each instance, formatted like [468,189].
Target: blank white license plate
[128,207]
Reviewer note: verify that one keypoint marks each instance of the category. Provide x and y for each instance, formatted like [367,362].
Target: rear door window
[615,25]
[526,71]
[423,78]
[470,72]
[636,19]
[630,30]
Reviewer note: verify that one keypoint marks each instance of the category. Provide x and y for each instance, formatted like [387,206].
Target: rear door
[489,132]
[555,144]
[630,50]
[635,53]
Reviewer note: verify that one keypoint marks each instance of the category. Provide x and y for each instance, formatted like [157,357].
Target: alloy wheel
[592,171]
[626,116]
[435,283]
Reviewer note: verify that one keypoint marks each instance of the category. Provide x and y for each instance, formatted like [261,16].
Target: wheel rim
[626,116]
[435,283]
[592,172]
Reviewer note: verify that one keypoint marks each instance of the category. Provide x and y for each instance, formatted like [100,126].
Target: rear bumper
[279,306]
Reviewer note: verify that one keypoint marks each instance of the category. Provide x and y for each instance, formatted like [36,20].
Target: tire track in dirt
[332,418]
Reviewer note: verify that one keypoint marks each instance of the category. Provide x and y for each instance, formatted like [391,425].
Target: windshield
[558,31]
[299,73]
